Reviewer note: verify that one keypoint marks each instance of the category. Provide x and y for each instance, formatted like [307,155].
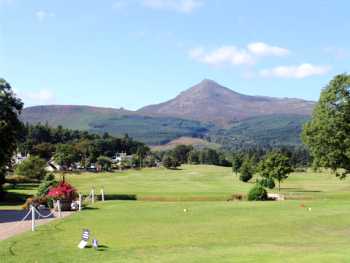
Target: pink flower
[62,191]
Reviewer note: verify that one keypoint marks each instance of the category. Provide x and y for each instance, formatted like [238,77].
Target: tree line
[67,146]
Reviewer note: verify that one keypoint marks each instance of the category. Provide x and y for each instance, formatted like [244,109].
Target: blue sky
[131,53]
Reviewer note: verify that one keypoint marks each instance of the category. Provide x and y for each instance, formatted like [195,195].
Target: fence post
[59,207]
[93,195]
[80,200]
[33,217]
[102,195]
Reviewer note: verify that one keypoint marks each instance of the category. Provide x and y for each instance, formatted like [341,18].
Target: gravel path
[11,228]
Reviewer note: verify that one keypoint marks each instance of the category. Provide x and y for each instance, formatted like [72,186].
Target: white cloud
[298,72]
[42,15]
[237,56]
[223,55]
[182,6]
[263,49]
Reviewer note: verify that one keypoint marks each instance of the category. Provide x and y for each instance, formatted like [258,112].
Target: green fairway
[202,182]
[209,232]
[215,231]
[188,183]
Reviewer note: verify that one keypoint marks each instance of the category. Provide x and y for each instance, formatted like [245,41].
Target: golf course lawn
[313,225]
[202,182]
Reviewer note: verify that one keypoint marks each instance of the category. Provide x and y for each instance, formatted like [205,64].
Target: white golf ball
[185,210]
[309,208]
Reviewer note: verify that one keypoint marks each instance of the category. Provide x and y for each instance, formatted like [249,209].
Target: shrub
[267,182]
[35,201]
[257,193]
[44,187]
[236,197]
[245,177]
[170,162]
[62,191]
[33,167]
[246,171]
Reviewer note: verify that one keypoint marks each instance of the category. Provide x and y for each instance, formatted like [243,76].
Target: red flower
[62,191]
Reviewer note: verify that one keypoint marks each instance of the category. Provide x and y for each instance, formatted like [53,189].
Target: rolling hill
[206,110]
[151,130]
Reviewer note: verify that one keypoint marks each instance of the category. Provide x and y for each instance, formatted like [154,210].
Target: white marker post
[92,195]
[59,207]
[33,217]
[102,195]
[80,200]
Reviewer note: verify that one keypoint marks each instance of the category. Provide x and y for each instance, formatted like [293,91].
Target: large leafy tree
[275,166]
[246,170]
[181,152]
[236,163]
[33,168]
[66,155]
[105,163]
[10,126]
[327,134]
[141,152]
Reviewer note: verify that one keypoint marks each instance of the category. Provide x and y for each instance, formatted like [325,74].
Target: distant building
[120,158]
[18,158]
[52,166]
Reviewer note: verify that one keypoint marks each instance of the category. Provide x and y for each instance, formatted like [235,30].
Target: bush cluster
[267,182]
[257,193]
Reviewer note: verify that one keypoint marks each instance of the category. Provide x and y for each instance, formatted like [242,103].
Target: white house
[18,158]
[121,157]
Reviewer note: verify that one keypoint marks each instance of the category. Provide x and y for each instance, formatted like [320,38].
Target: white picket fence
[91,198]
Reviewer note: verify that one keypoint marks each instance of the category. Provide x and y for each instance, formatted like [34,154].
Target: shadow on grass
[100,247]
[11,248]
[299,190]
[13,198]
[123,197]
[90,208]
[159,198]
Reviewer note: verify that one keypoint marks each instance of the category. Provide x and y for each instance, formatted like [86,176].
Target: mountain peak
[208,89]
[209,101]
[208,81]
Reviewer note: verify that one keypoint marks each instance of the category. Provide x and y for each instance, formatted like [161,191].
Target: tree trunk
[279,186]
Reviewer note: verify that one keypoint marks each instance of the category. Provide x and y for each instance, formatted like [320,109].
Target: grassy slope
[203,181]
[209,232]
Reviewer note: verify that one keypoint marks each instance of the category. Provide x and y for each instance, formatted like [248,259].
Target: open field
[215,231]
[203,182]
